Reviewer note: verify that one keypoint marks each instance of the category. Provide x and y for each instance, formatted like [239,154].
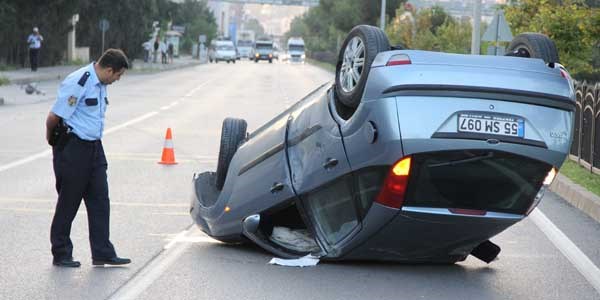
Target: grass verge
[581,176]
[4,81]
[327,66]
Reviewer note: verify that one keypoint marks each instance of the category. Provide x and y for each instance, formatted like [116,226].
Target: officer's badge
[72,100]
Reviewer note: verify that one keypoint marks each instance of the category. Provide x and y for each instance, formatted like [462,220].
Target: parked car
[410,156]
[222,50]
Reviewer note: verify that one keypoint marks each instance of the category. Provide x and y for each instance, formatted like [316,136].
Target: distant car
[245,48]
[222,50]
[411,156]
[296,50]
[263,50]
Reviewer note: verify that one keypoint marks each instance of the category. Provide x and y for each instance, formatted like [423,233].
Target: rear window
[475,179]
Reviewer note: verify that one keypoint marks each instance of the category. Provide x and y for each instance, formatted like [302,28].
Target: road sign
[498,31]
[202,38]
[180,29]
[104,25]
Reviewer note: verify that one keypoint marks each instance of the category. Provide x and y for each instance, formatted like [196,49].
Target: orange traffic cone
[168,154]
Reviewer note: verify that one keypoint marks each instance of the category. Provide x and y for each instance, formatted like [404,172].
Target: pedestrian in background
[35,43]
[170,50]
[74,128]
[163,52]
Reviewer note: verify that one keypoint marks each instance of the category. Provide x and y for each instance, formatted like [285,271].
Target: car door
[320,172]
[260,172]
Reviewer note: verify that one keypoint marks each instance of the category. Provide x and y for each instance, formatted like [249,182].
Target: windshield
[296,48]
[264,46]
[243,43]
[226,48]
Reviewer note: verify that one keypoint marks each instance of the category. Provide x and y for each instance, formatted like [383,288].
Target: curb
[59,76]
[576,195]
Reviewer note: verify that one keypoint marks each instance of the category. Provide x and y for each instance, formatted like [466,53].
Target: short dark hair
[115,59]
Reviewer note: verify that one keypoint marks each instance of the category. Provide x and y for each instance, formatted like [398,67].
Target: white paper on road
[306,261]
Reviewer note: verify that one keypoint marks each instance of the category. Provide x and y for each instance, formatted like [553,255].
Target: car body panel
[412,111]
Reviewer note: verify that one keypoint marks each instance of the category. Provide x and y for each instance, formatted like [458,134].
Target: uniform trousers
[80,171]
[34,57]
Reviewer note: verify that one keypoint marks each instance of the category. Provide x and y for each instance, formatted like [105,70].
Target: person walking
[74,130]
[35,43]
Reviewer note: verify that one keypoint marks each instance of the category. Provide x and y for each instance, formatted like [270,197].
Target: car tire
[233,134]
[370,41]
[270,61]
[256,60]
[233,61]
[534,45]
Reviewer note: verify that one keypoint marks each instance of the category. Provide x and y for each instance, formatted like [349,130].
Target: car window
[489,180]
[332,209]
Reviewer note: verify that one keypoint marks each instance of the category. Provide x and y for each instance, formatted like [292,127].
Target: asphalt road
[173,260]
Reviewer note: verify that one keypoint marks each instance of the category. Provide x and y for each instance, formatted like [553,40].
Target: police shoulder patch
[83,78]
[72,100]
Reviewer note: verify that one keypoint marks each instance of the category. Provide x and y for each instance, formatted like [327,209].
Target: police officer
[74,128]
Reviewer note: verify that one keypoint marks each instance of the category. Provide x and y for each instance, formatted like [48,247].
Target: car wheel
[270,61]
[534,45]
[358,51]
[233,61]
[228,61]
[233,133]
[256,60]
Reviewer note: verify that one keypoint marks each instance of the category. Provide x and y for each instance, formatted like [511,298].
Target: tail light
[547,182]
[398,59]
[395,184]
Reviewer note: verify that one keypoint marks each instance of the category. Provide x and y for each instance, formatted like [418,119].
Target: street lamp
[382,21]
[476,36]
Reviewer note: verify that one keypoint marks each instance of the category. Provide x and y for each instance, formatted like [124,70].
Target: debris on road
[305,261]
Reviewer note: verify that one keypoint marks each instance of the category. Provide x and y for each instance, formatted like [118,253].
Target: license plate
[491,124]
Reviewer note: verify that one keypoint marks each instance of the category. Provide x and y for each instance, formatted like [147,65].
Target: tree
[570,23]
[324,26]
[254,25]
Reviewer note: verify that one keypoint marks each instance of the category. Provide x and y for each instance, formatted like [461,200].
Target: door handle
[330,163]
[277,187]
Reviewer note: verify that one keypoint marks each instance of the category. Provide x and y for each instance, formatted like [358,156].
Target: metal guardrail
[278,2]
[585,148]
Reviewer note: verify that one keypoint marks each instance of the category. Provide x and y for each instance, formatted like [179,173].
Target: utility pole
[476,36]
[382,21]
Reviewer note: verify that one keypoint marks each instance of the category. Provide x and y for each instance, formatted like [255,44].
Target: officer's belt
[73,135]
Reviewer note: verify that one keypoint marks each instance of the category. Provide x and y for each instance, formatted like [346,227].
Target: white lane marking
[25,160]
[581,262]
[157,266]
[131,122]
[112,203]
[106,132]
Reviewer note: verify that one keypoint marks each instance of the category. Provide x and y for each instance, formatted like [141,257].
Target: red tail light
[394,187]
[398,59]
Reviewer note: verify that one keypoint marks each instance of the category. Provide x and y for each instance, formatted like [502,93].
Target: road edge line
[153,269]
[581,262]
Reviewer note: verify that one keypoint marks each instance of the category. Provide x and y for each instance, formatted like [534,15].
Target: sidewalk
[45,79]
[24,76]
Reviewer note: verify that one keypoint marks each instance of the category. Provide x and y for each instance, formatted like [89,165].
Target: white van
[222,50]
[296,50]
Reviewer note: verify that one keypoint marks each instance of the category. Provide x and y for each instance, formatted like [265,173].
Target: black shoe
[111,261]
[67,263]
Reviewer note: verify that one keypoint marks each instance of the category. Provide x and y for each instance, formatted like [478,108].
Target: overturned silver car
[409,156]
